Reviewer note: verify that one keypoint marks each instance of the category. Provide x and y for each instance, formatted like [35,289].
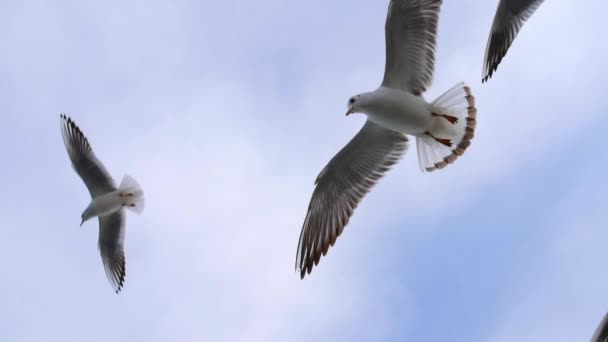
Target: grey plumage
[411,36]
[340,187]
[510,17]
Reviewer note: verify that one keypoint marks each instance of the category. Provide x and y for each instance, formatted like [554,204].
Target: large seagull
[443,128]
[510,17]
[107,202]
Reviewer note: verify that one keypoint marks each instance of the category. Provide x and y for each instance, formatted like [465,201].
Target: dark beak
[350,111]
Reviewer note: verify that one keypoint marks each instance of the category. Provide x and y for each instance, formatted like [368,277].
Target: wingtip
[303,270]
[488,74]
[66,120]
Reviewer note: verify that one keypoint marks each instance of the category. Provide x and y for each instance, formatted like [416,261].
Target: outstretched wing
[85,163]
[340,187]
[111,238]
[510,17]
[411,35]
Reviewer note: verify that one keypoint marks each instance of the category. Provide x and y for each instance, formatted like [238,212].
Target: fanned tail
[132,195]
[451,131]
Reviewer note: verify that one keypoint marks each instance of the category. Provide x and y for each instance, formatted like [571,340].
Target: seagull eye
[352,100]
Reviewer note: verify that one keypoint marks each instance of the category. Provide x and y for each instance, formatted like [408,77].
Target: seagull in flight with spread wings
[443,128]
[107,201]
[510,17]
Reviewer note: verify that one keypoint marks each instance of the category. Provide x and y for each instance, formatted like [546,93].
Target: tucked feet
[446,142]
[452,119]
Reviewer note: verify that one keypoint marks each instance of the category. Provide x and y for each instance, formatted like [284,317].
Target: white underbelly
[402,112]
[106,204]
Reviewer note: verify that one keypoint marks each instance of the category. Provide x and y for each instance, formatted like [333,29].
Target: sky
[226,111]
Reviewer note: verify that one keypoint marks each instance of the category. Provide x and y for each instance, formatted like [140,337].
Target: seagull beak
[81,223]
[350,111]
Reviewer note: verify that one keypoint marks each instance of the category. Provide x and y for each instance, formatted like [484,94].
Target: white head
[86,215]
[358,104]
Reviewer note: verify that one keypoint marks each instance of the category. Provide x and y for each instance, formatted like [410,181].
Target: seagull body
[510,17]
[107,201]
[443,128]
[397,110]
[111,202]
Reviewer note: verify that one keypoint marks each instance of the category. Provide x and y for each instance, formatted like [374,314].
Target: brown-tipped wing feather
[411,35]
[111,238]
[510,17]
[340,187]
[85,163]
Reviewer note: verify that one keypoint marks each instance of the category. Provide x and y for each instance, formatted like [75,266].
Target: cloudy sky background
[225,112]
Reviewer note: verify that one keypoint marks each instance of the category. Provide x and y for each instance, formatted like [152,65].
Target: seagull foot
[446,142]
[452,119]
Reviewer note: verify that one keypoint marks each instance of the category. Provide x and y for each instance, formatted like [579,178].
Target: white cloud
[562,295]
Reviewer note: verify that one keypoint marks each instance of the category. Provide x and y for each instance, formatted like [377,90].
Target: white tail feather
[132,194]
[451,130]
[128,182]
[137,205]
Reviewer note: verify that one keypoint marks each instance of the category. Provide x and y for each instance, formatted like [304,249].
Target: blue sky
[225,112]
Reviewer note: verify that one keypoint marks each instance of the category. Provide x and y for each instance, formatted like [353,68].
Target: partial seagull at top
[443,128]
[601,334]
[108,201]
[510,17]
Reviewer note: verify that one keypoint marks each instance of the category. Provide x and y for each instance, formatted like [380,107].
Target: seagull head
[353,105]
[86,215]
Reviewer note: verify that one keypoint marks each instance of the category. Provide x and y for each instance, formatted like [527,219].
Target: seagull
[107,201]
[510,17]
[443,128]
[601,334]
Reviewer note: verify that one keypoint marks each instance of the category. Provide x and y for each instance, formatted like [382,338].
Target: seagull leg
[446,142]
[452,119]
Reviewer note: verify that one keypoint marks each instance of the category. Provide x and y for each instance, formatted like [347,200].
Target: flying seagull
[510,17]
[443,128]
[601,334]
[107,200]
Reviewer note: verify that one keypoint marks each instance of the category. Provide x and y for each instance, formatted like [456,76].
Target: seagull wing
[340,187]
[510,17]
[111,238]
[85,163]
[601,334]
[411,34]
